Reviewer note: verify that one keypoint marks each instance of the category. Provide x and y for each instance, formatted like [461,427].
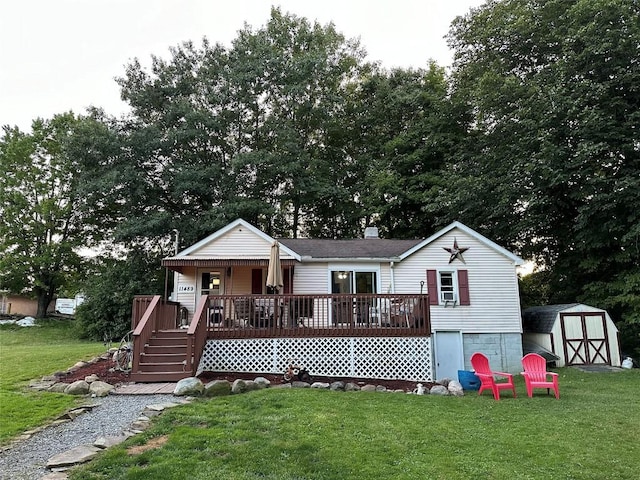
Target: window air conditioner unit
[448,296]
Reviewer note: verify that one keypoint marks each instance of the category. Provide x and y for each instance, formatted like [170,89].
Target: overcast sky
[61,55]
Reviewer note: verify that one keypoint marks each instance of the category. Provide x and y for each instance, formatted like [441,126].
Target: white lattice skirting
[392,358]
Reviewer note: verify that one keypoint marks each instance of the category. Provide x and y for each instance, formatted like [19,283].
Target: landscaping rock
[76,455]
[78,365]
[339,385]
[368,388]
[189,386]
[251,386]
[55,476]
[106,442]
[439,390]
[58,387]
[100,389]
[455,388]
[444,381]
[91,378]
[77,388]
[239,386]
[351,387]
[298,384]
[321,385]
[217,388]
[42,384]
[262,382]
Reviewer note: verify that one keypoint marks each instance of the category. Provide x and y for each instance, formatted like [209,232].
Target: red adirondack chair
[487,377]
[536,375]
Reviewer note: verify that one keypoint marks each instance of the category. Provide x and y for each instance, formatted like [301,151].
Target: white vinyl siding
[237,243]
[493,285]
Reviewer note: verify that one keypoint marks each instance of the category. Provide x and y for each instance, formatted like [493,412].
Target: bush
[106,311]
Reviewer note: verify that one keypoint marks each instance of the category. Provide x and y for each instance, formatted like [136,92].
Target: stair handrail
[143,331]
[197,334]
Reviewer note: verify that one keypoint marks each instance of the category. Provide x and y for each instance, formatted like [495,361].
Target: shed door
[585,338]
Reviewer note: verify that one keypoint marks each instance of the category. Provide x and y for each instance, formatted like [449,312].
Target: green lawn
[592,432]
[28,353]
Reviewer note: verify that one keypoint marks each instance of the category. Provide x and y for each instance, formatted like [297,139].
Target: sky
[61,55]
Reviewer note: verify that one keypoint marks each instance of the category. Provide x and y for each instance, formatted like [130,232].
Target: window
[349,281]
[448,287]
[210,283]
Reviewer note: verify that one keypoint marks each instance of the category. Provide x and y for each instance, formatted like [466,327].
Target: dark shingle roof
[541,319]
[356,248]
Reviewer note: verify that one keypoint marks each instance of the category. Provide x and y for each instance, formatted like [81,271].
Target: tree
[551,162]
[40,224]
[252,131]
[106,311]
[405,132]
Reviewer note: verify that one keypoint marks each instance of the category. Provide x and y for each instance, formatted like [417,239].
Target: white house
[471,281]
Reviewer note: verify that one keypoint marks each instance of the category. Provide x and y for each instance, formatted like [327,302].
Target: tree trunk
[43,304]
[44,296]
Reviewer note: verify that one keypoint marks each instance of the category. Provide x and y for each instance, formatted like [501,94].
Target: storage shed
[575,334]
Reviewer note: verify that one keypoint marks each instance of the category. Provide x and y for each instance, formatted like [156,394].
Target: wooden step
[170,333]
[166,349]
[158,377]
[153,341]
[163,367]
[163,357]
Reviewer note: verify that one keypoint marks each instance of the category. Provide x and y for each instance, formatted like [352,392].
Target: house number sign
[186,288]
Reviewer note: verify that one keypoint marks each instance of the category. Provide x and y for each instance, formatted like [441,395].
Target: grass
[592,432]
[28,353]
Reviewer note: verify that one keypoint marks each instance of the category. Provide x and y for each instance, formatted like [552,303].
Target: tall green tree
[406,130]
[551,162]
[41,227]
[251,131]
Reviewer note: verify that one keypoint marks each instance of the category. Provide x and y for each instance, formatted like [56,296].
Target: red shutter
[432,287]
[463,287]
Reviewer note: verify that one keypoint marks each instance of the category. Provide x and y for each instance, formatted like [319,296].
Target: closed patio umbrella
[274,272]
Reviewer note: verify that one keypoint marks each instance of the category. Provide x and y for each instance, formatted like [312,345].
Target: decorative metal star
[456,251]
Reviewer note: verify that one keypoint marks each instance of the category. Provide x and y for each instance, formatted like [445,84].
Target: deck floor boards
[145,388]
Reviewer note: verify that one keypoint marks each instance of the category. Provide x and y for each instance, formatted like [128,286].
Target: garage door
[585,338]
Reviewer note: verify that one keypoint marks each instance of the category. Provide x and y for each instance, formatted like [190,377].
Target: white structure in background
[67,306]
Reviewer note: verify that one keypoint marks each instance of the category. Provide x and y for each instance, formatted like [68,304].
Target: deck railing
[197,333]
[321,315]
[166,312]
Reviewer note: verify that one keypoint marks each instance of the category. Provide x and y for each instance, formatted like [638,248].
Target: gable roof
[237,223]
[360,249]
[469,231]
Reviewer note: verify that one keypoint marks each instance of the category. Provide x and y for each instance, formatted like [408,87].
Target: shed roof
[541,319]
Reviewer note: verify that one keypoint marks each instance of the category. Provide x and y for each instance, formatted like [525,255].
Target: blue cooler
[468,380]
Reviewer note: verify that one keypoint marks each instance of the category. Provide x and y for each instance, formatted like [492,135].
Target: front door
[448,354]
[585,338]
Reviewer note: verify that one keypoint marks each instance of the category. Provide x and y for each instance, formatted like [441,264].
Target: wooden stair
[164,358]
